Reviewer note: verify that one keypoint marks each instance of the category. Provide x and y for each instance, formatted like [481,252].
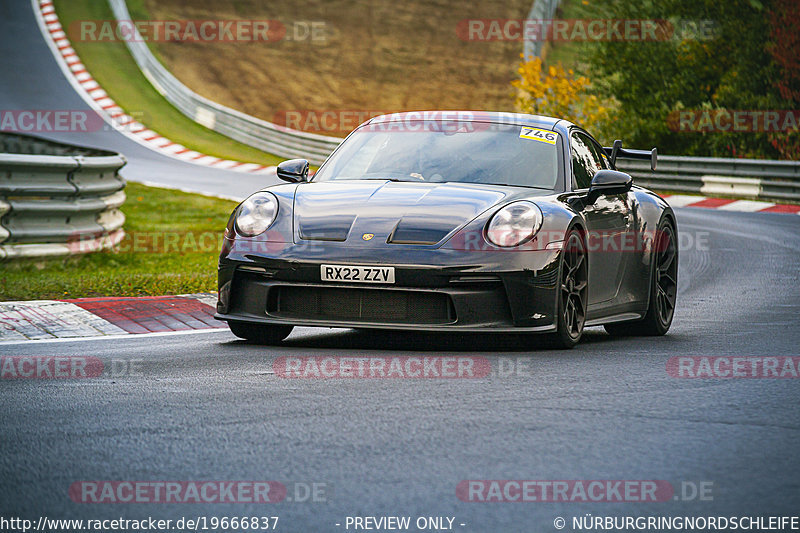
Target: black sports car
[454,221]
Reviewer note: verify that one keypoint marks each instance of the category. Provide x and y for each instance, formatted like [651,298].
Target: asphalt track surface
[206,406]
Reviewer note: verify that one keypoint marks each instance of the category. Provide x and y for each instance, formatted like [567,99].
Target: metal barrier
[57,199]
[759,179]
[541,10]
[252,131]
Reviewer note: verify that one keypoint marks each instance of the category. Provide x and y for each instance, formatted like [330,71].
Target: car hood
[382,211]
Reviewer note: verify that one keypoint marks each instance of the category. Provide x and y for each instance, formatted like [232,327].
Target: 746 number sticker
[535,134]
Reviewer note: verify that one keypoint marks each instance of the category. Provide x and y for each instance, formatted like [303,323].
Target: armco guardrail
[57,199]
[760,179]
[541,10]
[261,134]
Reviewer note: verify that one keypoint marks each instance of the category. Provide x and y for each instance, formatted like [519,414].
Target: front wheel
[663,289]
[259,333]
[572,291]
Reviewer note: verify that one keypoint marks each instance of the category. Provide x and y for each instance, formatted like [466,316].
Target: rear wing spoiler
[617,151]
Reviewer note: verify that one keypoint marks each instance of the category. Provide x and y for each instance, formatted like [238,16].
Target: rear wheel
[663,289]
[572,291]
[259,333]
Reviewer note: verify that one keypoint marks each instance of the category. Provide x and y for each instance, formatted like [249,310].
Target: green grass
[179,237]
[113,67]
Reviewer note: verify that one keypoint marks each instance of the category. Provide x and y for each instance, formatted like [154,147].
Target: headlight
[256,214]
[514,224]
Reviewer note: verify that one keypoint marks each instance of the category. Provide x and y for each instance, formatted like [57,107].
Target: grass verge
[113,67]
[171,247]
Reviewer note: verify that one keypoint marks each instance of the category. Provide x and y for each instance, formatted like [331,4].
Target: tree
[559,93]
[784,46]
[729,64]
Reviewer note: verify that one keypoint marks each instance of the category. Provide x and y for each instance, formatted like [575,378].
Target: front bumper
[435,289]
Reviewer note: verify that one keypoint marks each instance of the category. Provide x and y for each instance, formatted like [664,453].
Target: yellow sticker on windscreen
[535,134]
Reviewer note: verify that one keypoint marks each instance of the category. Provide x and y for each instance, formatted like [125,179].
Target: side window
[586,161]
[606,161]
[599,155]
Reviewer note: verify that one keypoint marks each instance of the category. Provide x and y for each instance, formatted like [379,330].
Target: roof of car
[469,116]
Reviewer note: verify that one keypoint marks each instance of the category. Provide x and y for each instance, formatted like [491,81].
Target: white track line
[55,320]
[748,206]
[742,206]
[47,319]
[681,200]
[131,336]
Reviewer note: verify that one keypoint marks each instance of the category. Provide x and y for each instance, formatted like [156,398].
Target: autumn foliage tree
[749,62]
[558,92]
[784,47]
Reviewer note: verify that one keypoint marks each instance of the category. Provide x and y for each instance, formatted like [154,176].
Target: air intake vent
[360,305]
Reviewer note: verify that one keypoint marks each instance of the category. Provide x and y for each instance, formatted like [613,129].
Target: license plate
[357,274]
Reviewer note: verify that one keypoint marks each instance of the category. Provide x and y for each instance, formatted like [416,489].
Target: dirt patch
[376,56]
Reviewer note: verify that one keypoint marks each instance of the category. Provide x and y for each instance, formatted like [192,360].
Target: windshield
[499,154]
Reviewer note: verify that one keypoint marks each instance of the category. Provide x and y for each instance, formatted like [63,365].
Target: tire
[259,333]
[572,292]
[663,289]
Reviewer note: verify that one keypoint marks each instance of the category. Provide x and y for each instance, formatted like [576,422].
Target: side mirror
[609,182]
[293,171]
